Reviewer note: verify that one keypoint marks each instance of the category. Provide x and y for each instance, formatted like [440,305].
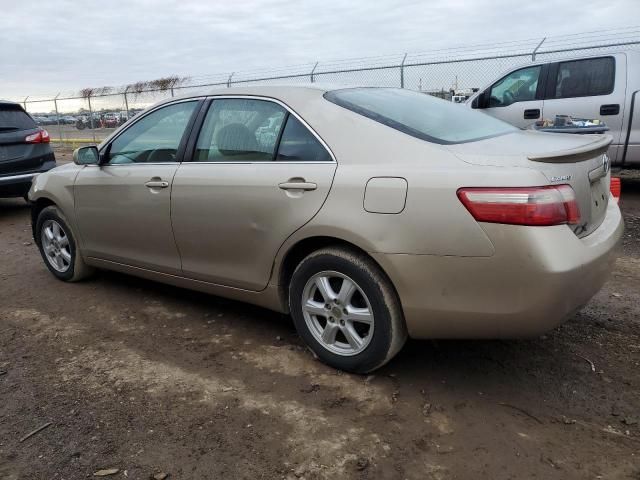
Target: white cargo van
[603,87]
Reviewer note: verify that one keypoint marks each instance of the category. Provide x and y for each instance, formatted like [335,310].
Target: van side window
[518,86]
[584,78]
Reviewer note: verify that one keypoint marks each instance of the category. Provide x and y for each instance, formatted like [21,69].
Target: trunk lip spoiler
[584,152]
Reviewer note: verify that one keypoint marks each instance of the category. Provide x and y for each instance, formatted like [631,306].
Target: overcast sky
[66,45]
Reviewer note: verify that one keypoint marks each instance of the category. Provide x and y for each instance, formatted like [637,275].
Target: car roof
[282,92]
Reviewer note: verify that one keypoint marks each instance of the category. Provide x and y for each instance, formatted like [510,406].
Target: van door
[517,97]
[589,88]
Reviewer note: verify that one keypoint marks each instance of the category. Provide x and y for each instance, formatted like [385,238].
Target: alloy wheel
[56,247]
[337,313]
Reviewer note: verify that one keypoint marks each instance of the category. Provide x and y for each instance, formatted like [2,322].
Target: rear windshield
[13,117]
[420,115]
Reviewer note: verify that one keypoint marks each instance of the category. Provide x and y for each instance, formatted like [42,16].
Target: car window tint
[299,144]
[154,138]
[582,78]
[240,130]
[13,117]
[518,86]
[420,115]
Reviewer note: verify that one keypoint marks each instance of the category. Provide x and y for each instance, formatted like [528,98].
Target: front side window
[240,129]
[420,115]
[518,86]
[155,138]
[583,78]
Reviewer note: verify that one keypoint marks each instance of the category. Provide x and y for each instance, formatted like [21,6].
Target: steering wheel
[161,155]
[508,98]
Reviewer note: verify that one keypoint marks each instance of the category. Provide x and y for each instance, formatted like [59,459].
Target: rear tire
[346,310]
[58,246]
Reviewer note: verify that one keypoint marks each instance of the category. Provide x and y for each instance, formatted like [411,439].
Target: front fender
[55,187]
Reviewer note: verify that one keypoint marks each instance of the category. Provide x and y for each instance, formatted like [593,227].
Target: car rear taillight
[616,188]
[535,206]
[42,136]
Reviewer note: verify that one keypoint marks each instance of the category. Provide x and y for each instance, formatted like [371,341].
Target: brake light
[42,136]
[534,206]
[616,188]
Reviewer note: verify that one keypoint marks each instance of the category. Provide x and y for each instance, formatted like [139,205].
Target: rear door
[517,97]
[16,155]
[256,175]
[591,88]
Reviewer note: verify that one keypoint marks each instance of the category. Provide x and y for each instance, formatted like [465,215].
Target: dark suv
[24,150]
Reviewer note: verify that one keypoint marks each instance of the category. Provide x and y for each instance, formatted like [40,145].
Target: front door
[515,98]
[123,207]
[257,175]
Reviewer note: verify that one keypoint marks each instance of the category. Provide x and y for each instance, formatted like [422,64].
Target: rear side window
[240,130]
[585,78]
[252,130]
[420,115]
[299,144]
[13,117]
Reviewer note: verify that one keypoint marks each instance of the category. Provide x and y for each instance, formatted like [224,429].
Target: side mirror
[86,156]
[479,101]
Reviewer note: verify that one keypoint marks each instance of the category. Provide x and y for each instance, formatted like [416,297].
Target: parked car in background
[24,150]
[371,215]
[110,120]
[604,87]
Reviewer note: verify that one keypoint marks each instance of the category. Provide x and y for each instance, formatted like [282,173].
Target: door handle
[532,114]
[611,109]
[156,184]
[297,185]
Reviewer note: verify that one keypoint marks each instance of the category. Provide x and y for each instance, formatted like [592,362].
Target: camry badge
[606,164]
[561,178]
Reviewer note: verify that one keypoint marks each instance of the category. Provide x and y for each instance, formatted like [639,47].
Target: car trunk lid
[576,160]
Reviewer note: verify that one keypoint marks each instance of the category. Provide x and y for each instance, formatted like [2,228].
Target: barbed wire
[501,52]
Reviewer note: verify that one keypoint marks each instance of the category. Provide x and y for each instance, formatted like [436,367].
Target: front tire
[58,246]
[346,310]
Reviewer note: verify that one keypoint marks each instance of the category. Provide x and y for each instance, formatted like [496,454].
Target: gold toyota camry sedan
[368,214]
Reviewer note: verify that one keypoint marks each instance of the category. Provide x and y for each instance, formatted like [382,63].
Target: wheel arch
[36,207]
[305,246]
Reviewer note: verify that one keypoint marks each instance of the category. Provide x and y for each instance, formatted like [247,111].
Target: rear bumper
[19,184]
[537,277]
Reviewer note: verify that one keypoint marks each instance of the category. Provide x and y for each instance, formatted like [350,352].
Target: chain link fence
[91,115]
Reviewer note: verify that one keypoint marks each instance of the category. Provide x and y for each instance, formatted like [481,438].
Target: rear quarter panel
[433,222]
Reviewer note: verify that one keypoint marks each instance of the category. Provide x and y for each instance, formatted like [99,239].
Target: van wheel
[57,246]
[346,310]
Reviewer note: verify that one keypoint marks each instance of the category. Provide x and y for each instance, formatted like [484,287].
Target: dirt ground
[149,379]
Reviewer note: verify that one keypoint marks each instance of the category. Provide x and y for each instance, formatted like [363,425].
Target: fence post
[126,102]
[312,71]
[55,104]
[24,102]
[402,71]
[533,54]
[93,130]
[229,80]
